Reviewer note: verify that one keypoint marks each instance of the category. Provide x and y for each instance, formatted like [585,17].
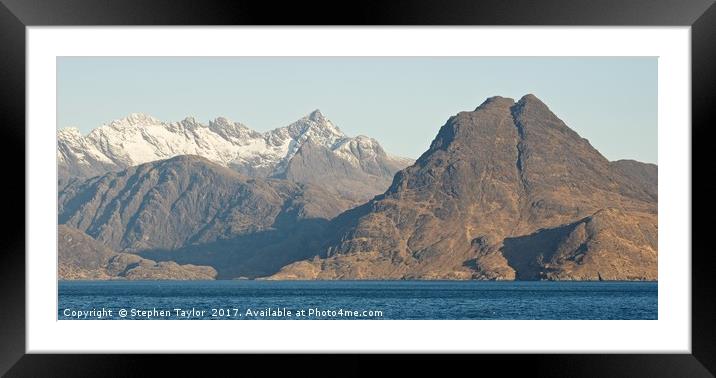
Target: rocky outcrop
[608,245]
[82,258]
[506,191]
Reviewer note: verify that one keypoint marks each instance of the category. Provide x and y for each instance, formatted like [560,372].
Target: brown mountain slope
[644,174]
[182,200]
[491,178]
[192,211]
[82,258]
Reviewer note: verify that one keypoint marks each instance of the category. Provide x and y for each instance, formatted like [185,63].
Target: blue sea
[305,300]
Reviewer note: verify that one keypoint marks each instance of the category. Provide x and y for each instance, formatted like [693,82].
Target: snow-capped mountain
[140,138]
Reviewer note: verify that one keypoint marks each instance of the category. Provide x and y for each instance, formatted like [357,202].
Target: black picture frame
[16,15]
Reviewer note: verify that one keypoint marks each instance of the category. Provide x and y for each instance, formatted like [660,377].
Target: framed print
[501,178]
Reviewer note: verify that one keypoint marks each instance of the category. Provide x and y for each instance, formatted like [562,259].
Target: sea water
[305,300]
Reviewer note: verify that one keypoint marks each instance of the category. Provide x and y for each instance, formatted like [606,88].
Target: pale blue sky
[402,102]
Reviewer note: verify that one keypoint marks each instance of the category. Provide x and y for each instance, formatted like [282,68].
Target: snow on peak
[69,132]
[316,116]
[359,148]
[231,130]
[222,122]
[191,122]
[135,119]
[140,138]
[315,125]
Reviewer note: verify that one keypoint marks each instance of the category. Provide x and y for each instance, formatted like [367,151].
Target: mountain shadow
[528,254]
[252,255]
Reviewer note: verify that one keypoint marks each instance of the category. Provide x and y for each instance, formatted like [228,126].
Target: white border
[671,333]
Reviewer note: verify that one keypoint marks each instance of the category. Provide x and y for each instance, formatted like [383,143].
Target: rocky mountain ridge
[140,138]
[506,191]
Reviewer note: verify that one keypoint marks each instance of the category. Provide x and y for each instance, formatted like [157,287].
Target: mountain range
[506,191]
[311,150]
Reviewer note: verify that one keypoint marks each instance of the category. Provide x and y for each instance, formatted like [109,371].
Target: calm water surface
[237,300]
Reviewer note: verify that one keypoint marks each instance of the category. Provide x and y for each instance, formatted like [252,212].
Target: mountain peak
[69,131]
[324,123]
[529,97]
[136,119]
[191,122]
[506,102]
[496,101]
[317,125]
[506,188]
[222,121]
[316,115]
[532,101]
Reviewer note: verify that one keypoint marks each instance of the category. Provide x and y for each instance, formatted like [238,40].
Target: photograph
[187,181]
[357,187]
[496,180]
